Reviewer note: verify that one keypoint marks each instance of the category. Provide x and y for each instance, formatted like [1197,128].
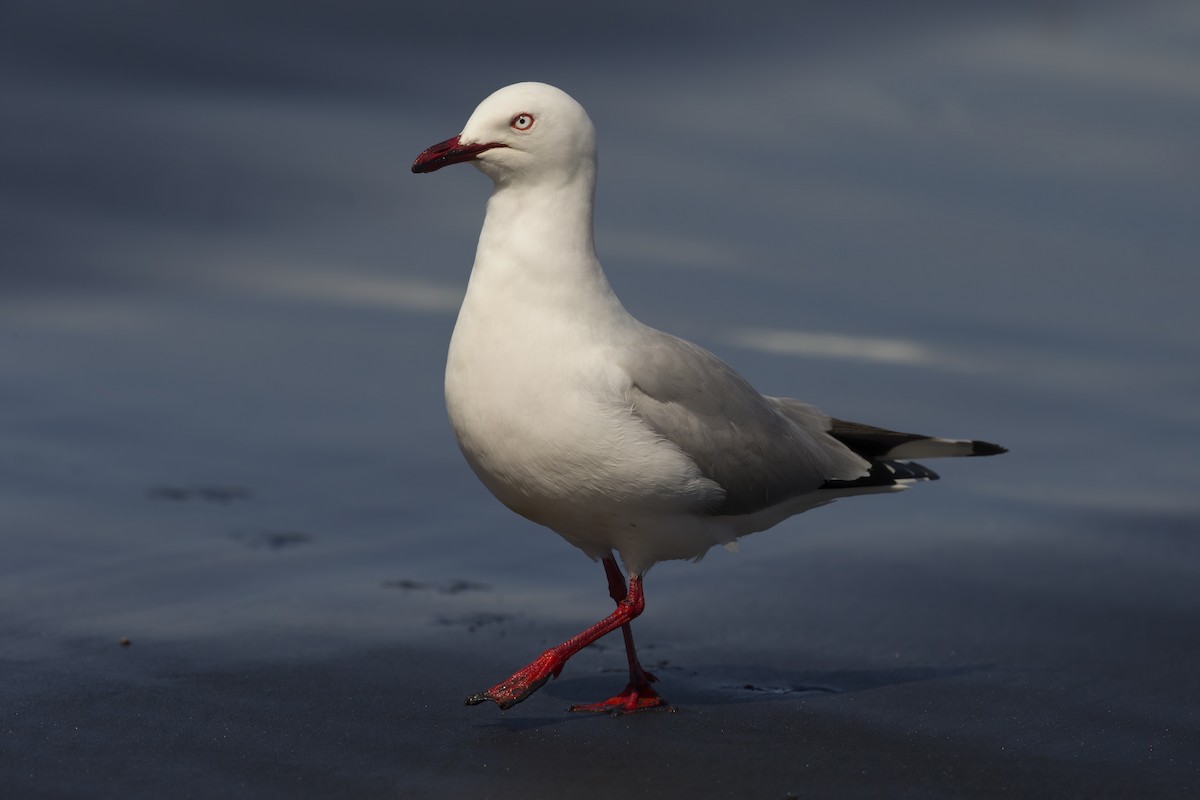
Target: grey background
[224,307]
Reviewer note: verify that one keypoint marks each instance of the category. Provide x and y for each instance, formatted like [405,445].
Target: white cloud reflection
[373,291]
[351,289]
[839,346]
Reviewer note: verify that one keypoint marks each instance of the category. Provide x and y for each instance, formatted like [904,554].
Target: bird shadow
[718,685]
[725,684]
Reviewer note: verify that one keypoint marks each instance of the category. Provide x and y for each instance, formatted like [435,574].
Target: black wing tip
[979,448]
[887,473]
[912,471]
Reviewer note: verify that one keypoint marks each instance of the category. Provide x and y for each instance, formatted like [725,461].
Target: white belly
[542,416]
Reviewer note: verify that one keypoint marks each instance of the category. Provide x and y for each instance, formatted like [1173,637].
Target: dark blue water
[225,304]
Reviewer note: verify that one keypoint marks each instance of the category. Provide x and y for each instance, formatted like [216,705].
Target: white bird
[617,436]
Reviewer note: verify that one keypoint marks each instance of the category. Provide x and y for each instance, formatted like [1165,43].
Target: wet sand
[783,681]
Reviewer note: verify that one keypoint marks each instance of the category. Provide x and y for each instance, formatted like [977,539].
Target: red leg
[637,695]
[525,682]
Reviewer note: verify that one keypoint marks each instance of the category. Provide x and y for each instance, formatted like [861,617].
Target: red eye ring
[522,122]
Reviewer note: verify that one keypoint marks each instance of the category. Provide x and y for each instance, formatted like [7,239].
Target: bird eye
[522,122]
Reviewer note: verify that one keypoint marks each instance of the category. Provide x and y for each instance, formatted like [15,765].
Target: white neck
[536,248]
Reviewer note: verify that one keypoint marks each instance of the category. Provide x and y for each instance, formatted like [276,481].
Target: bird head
[527,132]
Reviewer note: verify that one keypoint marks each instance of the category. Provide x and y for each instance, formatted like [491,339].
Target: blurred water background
[225,305]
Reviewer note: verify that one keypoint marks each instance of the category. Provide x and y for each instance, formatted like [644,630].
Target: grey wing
[737,438]
[888,452]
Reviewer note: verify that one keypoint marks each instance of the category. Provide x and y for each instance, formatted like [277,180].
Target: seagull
[622,439]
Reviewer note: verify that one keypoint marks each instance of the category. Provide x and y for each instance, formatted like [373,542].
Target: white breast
[542,415]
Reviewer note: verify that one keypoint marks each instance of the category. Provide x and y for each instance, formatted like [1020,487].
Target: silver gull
[619,437]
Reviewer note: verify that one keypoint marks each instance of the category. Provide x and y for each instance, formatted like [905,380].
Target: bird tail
[880,444]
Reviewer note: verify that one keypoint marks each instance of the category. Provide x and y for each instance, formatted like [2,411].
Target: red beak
[448,152]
